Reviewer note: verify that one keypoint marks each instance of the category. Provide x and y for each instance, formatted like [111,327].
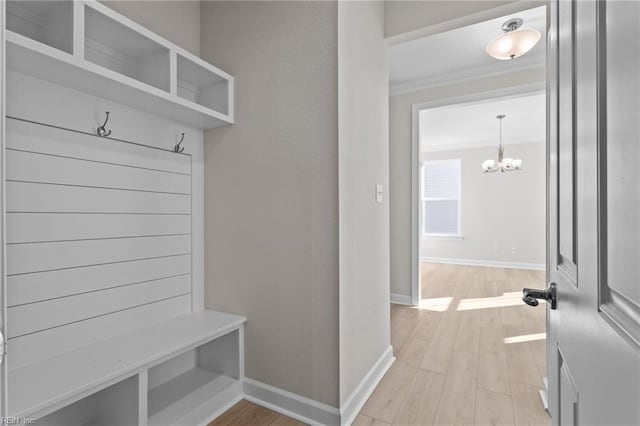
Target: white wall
[499,211]
[405,16]
[364,162]
[175,20]
[400,159]
[272,189]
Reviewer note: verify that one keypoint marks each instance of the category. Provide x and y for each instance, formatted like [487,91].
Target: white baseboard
[487,263]
[365,388]
[401,299]
[290,404]
[313,412]
[544,394]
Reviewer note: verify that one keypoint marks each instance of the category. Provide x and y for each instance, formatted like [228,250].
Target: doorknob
[530,296]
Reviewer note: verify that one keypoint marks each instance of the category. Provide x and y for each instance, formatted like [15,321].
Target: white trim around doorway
[506,93]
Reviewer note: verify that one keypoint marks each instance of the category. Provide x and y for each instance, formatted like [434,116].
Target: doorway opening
[482,238]
[476,238]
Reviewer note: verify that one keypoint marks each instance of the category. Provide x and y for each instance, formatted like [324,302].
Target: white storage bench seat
[183,371]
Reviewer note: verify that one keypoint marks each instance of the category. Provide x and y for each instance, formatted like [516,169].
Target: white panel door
[594,212]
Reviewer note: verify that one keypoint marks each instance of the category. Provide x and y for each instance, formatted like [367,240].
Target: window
[441,198]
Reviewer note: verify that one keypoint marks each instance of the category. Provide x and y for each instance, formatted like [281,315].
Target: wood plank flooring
[473,354]
[246,413]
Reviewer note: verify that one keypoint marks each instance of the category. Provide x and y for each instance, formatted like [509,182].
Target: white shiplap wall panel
[36,197]
[29,288]
[51,140]
[37,257]
[99,240]
[33,347]
[34,167]
[39,227]
[33,317]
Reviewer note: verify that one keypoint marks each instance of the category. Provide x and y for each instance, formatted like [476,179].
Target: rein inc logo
[12,420]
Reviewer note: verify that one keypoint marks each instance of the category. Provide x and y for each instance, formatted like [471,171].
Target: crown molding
[463,21]
[474,145]
[469,74]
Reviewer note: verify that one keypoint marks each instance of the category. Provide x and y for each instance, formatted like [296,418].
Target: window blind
[441,197]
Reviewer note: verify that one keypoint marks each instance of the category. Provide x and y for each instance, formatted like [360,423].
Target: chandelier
[503,164]
[514,42]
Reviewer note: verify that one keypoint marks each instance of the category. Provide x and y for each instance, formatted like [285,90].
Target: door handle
[530,296]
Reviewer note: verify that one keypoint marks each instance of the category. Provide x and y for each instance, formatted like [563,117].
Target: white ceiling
[475,124]
[460,54]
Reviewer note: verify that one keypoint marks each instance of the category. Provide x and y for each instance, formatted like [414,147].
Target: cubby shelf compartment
[198,83]
[117,47]
[184,389]
[116,405]
[88,47]
[56,383]
[48,22]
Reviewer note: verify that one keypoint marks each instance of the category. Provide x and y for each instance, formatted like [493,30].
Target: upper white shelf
[88,47]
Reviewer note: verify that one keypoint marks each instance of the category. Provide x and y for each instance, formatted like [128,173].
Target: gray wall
[400,160]
[176,20]
[271,208]
[271,184]
[499,211]
[364,162]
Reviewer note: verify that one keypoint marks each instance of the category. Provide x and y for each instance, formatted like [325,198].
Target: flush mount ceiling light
[514,42]
[503,164]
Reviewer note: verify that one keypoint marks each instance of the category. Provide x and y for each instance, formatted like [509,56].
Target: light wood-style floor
[246,413]
[472,354]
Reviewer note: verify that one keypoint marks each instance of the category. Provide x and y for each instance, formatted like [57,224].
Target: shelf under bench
[214,338]
[178,400]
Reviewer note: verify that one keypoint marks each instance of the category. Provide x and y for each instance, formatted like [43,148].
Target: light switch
[379,197]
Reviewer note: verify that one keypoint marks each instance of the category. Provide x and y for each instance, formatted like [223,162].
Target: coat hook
[102,131]
[178,148]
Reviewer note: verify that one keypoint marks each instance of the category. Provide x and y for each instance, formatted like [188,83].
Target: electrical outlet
[514,250]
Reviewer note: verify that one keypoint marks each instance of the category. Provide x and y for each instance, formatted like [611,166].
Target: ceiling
[460,54]
[441,129]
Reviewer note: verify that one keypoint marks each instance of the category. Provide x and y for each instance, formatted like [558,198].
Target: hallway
[472,354]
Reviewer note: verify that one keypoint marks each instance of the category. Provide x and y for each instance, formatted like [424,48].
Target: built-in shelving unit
[88,47]
[127,346]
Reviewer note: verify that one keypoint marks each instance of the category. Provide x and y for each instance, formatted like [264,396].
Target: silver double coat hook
[102,131]
[179,148]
